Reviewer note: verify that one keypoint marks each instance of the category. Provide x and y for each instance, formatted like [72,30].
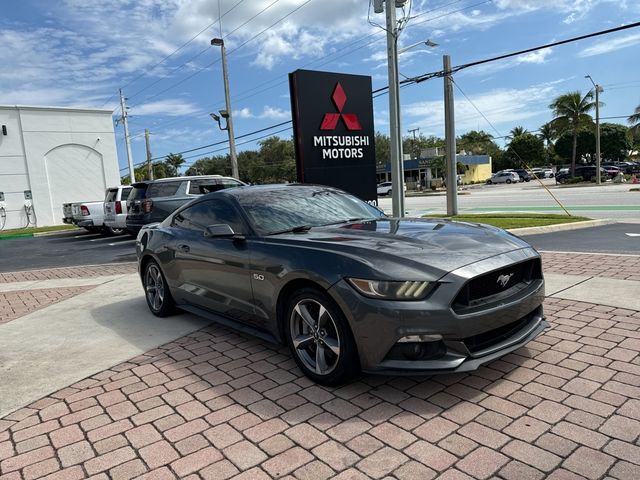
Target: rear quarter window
[111,195]
[137,193]
[125,193]
[163,189]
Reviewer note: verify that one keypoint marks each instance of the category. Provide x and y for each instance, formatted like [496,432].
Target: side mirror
[221,230]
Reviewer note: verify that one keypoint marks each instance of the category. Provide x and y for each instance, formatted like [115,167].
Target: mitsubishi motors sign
[333,127]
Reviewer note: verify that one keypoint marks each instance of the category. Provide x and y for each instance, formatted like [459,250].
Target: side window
[228,183]
[194,185]
[162,189]
[210,212]
[125,193]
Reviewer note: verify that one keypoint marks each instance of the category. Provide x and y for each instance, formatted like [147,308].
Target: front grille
[485,340]
[497,285]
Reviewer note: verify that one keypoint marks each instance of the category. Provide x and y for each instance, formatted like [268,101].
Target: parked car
[347,288]
[152,201]
[523,174]
[385,188]
[115,208]
[542,172]
[587,172]
[612,170]
[504,177]
[89,215]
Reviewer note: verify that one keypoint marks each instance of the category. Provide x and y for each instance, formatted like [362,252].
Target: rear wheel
[156,291]
[389,192]
[508,180]
[320,338]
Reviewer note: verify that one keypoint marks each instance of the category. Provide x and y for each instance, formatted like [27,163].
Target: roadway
[604,201]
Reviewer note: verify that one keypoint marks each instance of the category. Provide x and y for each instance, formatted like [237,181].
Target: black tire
[508,180]
[320,345]
[489,182]
[156,290]
[389,192]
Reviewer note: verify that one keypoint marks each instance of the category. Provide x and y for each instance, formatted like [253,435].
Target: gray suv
[153,200]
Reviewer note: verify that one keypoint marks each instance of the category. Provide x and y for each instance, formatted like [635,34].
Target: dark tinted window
[210,212]
[137,192]
[194,185]
[111,195]
[163,189]
[278,210]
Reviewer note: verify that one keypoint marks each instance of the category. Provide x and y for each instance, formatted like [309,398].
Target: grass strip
[514,220]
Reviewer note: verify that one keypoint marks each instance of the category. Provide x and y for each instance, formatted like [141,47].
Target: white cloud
[500,106]
[610,45]
[171,108]
[273,113]
[243,113]
[539,56]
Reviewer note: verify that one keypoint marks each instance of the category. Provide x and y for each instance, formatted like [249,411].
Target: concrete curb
[56,232]
[562,227]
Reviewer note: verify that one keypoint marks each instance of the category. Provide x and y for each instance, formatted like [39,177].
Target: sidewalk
[135,396]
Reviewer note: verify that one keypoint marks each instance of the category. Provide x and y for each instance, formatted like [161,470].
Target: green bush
[573,180]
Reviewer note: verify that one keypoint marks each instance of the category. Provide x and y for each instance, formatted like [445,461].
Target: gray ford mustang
[347,288]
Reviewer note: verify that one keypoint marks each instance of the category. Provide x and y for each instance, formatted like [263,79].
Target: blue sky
[78,53]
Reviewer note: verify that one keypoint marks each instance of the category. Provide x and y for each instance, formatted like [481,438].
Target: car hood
[434,246]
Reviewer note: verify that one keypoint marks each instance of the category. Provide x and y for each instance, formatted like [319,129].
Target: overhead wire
[512,149]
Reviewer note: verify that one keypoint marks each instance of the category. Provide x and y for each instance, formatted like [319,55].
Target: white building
[54,156]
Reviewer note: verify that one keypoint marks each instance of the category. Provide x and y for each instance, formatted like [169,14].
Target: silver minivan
[115,208]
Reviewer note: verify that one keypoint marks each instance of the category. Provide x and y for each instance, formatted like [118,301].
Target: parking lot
[123,394]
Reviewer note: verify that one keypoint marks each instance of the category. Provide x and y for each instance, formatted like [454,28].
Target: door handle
[184,248]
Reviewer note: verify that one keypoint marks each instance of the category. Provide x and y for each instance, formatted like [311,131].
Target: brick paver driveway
[218,404]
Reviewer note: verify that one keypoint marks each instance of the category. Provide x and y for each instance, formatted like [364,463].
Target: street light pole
[598,89]
[227,96]
[127,139]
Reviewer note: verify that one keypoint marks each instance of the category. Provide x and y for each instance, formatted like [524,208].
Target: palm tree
[571,112]
[634,120]
[517,131]
[476,142]
[547,134]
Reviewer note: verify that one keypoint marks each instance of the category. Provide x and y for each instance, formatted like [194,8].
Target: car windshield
[287,209]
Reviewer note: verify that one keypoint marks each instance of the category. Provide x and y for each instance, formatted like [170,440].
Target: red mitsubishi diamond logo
[330,120]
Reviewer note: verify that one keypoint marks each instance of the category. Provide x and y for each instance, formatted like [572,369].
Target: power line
[202,69]
[427,76]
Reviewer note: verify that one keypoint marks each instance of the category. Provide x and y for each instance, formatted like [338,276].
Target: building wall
[477,173]
[60,154]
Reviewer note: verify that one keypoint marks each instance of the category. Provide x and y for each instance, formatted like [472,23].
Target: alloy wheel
[154,286]
[315,336]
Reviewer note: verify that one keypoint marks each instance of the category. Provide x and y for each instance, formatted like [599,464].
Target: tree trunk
[573,153]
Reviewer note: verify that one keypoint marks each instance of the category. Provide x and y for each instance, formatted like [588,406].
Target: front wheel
[156,291]
[320,338]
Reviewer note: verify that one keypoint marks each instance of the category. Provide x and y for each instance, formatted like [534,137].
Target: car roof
[280,187]
[169,179]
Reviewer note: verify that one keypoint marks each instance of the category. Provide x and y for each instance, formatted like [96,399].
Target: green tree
[383,148]
[216,165]
[415,146]
[278,161]
[476,142]
[517,131]
[584,146]
[634,120]
[526,150]
[614,142]
[571,112]
[172,163]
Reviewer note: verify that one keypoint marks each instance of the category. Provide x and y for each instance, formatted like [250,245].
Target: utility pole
[149,165]
[598,90]
[397,166]
[413,131]
[450,137]
[127,140]
[227,96]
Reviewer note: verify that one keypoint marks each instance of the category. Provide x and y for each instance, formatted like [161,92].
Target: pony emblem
[504,279]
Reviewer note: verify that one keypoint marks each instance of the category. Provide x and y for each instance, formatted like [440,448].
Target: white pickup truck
[89,215]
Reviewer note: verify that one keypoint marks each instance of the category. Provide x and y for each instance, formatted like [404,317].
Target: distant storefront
[421,171]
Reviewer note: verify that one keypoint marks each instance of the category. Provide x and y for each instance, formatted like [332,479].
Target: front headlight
[392,290]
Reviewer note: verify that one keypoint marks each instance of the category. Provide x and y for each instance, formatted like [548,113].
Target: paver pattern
[21,302]
[624,267]
[87,271]
[220,404]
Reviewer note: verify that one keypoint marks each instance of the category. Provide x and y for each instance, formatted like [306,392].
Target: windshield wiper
[350,220]
[298,229]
